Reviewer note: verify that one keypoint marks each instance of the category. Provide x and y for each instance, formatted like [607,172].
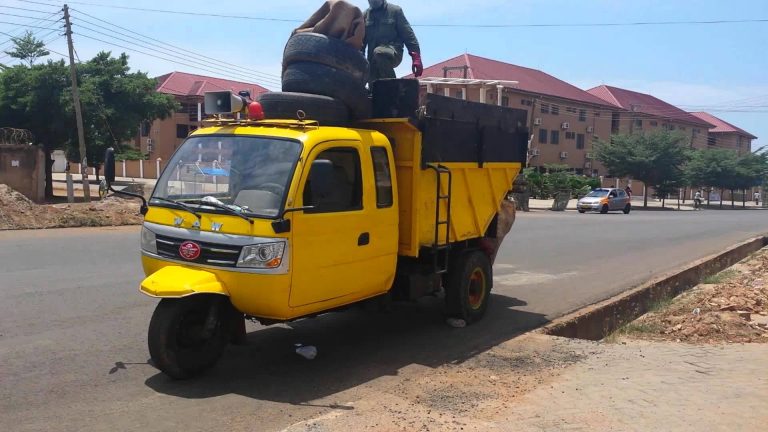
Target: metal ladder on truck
[440,252]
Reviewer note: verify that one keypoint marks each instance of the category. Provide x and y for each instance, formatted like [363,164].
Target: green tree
[114,102]
[656,158]
[31,98]
[27,48]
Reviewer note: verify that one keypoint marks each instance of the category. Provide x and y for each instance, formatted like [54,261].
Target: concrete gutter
[599,320]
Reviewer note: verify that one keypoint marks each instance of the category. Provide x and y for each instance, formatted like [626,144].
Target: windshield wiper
[220,205]
[179,205]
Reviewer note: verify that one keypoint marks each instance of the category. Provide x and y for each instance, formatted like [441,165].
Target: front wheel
[468,286]
[582,211]
[188,335]
[604,209]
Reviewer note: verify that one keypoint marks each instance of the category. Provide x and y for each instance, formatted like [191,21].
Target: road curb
[599,320]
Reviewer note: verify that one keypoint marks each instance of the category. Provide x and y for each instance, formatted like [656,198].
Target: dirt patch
[731,308]
[18,212]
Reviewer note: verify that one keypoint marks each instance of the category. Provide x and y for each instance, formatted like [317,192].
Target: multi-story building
[160,138]
[639,112]
[726,135]
[564,120]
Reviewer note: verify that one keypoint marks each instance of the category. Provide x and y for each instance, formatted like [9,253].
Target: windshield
[248,174]
[598,193]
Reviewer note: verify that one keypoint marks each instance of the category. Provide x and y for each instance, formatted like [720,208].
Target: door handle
[364,239]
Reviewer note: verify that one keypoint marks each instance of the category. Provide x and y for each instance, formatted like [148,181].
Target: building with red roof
[160,138]
[726,135]
[642,112]
[564,120]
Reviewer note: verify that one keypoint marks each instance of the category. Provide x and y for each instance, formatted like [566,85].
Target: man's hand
[417,67]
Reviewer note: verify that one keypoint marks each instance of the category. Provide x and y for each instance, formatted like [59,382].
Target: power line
[27,17]
[262,75]
[548,25]
[27,10]
[152,55]
[24,25]
[171,54]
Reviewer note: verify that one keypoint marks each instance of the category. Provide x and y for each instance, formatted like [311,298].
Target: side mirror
[109,166]
[320,180]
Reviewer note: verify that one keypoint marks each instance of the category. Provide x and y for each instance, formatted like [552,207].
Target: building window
[555,110]
[545,108]
[597,113]
[570,110]
[145,128]
[712,140]
[505,101]
[543,136]
[555,137]
[671,127]
[582,115]
[182,131]
[654,123]
[682,128]
[570,135]
[526,102]
[639,123]
[580,141]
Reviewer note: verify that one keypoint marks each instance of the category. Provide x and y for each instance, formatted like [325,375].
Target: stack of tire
[323,77]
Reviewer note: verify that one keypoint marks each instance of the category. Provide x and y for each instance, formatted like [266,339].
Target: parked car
[605,200]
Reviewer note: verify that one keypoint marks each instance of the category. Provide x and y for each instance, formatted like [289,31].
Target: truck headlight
[148,241]
[262,256]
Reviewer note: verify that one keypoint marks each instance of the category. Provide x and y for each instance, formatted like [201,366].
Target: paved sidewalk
[646,386]
[540,383]
[637,204]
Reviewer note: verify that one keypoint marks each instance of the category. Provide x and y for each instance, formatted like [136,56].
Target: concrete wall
[23,169]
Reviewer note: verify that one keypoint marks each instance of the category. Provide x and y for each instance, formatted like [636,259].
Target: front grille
[210,254]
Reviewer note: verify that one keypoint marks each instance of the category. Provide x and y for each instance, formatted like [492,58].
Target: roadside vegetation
[115,100]
[663,160]
[728,307]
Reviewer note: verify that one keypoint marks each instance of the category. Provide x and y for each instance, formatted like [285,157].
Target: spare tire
[323,109]
[329,51]
[320,79]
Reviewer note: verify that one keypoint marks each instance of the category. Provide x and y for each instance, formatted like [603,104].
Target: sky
[719,68]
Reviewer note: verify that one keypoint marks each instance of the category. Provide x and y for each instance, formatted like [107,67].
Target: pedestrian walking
[757,198]
[628,190]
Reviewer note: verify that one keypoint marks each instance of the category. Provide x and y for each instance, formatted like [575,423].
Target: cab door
[339,251]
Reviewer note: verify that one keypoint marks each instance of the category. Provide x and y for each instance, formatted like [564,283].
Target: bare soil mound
[18,212]
[732,308]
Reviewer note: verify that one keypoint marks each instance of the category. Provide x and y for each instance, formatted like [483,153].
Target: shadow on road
[354,348]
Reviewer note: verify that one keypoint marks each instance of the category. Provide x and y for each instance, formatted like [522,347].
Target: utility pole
[78,111]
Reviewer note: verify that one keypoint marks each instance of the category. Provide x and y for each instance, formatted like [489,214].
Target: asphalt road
[73,353]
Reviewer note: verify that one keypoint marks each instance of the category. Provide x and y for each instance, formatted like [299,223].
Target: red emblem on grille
[189,250]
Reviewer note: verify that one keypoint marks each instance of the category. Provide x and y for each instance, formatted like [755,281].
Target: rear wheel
[188,335]
[582,211]
[604,209]
[627,208]
[468,286]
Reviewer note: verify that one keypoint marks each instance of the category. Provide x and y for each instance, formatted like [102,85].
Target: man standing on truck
[386,31]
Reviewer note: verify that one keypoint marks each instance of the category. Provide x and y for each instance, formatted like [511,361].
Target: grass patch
[721,277]
[634,327]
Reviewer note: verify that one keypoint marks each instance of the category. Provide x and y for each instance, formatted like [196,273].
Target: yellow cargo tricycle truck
[277,220]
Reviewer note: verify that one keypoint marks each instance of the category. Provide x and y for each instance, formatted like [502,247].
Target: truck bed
[483,147]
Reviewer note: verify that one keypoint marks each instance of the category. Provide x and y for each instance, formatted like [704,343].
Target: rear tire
[323,109]
[319,79]
[176,342]
[604,209]
[468,286]
[329,51]
[582,211]
[627,209]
